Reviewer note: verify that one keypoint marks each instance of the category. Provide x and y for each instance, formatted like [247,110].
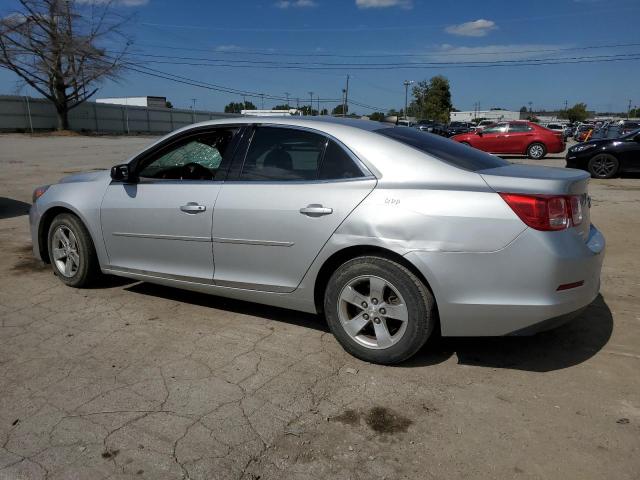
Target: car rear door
[284,197]
[518,137]
[161,224]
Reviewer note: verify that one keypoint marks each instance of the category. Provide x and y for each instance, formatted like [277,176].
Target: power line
[425,53]
[393,66]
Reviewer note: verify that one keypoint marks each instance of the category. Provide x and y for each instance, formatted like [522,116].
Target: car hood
[92,176]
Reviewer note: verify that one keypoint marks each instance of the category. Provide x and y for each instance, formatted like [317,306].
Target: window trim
[239,159]
[171,142]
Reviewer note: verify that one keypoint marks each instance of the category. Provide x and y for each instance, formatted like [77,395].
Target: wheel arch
[45,222]
[349,253]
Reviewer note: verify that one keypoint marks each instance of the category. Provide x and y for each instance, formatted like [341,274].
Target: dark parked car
[629,126]
[456,128]
[431,127]
[607,157]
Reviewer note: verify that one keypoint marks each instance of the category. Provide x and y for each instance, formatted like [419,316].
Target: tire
[536,151]
[603,166]
[409,316]
[79,270]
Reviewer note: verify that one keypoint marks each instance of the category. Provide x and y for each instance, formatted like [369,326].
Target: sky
[280,47]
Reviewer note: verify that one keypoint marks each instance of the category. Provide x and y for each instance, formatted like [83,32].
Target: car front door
[160,225]
[491,139]
[282,201]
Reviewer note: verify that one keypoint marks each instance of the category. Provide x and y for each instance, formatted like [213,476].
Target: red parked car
[519,138]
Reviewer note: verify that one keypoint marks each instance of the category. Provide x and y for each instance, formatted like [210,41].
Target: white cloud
[407,4]
[477,28]
[492,53]
[296,4]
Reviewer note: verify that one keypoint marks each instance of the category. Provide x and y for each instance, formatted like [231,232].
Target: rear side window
[522,127]
[450,151]
[283,154]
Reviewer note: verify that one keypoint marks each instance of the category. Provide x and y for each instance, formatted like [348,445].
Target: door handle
[316,210]
[193,207]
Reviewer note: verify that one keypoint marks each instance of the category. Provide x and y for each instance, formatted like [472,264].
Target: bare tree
[58,48]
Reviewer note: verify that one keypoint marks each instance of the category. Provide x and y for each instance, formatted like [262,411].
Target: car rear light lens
[546,212]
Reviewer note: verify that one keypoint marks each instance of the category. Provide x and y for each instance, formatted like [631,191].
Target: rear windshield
[450,151]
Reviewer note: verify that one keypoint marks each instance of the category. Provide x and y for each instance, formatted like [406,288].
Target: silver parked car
[390,232]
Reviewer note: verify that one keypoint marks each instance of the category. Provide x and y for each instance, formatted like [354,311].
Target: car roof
[294,120]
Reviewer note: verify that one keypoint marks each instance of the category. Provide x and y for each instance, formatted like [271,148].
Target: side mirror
[121,173]
[478,132]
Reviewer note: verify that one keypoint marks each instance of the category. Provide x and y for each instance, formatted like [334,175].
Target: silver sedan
[390,232]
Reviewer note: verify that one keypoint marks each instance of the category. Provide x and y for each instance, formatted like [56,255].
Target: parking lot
[141,381]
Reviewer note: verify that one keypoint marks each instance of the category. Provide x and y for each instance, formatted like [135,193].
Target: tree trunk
[63,117]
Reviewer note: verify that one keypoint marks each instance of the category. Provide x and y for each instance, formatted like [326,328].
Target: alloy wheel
[372,312]
[536,151]
[603,166]
[65,251]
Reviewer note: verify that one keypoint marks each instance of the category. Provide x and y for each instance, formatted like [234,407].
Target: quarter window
[337,164]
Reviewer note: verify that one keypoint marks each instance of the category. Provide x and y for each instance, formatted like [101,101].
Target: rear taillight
[546,212]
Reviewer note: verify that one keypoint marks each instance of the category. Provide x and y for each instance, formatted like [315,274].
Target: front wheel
[71,251]
[379,310]
[536,151]
[603,165]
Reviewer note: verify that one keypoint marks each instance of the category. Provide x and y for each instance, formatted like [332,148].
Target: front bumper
[513,290]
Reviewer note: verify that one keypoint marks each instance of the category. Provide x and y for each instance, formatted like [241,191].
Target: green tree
[577,113]
[168,104]
[63,49]
[282,107]
[237,107]
[307,110]
[524,109]
[338,110]
[377,116]
[432,99]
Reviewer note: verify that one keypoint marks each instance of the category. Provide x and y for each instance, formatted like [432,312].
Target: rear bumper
[513,290]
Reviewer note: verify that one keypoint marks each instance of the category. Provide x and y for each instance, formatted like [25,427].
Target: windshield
[450,151]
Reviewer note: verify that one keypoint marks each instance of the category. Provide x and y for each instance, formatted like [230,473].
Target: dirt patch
[110,453]
[384,420]
[348,417]
[27,262]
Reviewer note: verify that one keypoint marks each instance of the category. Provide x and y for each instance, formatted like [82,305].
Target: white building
[154,102]
[497,115]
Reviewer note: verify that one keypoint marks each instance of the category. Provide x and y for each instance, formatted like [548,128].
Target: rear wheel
[379,310]
[603,165]
[536,151]
[73,256]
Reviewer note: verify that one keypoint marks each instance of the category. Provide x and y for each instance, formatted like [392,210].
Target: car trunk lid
[531,179]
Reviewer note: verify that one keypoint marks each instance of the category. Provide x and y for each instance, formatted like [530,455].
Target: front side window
[196,158]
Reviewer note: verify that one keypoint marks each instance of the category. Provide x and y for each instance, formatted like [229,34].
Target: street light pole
[406,96]
[311,103]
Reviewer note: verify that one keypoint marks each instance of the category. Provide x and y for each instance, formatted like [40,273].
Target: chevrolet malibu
[390,232]
[515,138]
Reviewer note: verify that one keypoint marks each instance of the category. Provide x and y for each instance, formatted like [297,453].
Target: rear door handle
[316,210]
[193,207]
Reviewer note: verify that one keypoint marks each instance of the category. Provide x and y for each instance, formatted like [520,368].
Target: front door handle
[316,210]
[193,207]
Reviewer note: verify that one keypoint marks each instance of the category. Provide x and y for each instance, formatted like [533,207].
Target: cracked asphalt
[132,380]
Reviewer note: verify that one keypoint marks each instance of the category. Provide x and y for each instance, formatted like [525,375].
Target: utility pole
[629,110]
[345,105]
[287,94]
[319,111]
[406,96]
[566,105]
[262,101]
[244,102]
[298,103]
[311,103]
[193,110]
